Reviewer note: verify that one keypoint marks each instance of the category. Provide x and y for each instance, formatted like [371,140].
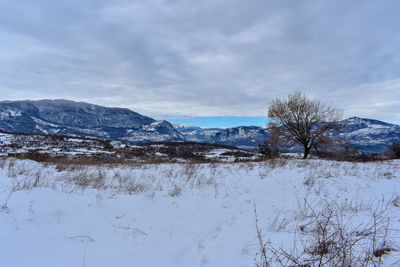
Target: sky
[180,59]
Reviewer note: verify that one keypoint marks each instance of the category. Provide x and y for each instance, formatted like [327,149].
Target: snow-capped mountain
[369,135]
[66,117]
[366,134]
[242,136]
[63,117]
[196,134]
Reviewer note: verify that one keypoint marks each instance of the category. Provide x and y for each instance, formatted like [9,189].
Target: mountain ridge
[66,117]
[368,135]
[83,119]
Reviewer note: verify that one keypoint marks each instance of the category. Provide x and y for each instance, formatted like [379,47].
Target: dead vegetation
[327,236]
[97,152]
[325,233]
[114,179]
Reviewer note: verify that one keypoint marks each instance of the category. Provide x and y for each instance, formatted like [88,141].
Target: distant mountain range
[365,134]
[63,117]
[368,135]
[244,136]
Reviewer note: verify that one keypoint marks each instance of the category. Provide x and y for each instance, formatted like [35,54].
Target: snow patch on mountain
[9,113]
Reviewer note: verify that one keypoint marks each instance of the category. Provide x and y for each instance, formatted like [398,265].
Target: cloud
[203,58]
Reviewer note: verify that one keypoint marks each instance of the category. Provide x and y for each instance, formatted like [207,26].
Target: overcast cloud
[203,58]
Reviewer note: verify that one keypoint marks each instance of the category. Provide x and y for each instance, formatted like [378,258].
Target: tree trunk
[306,152]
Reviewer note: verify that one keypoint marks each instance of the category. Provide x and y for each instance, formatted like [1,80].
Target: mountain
[196,134]
[366,134]
[64,117]
[243,136]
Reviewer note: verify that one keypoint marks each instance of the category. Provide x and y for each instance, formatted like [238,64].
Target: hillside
[73,149]
[64,117]
[369,135]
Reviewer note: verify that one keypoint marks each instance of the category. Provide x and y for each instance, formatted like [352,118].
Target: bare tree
[270,148]
[394,151]
[303,120]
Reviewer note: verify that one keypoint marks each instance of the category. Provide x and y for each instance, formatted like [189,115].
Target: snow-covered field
[188,214]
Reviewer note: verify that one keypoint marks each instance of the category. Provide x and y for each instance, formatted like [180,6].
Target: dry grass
[329,238]
[127,178]
[326,232]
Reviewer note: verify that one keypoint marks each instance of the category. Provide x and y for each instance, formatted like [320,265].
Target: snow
[5,114]
[5,139]
[38,127]
[367,131]
[183,215]
[180,125]
[75,140]
[45,123]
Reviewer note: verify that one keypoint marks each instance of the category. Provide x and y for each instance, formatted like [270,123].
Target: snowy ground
[181,214]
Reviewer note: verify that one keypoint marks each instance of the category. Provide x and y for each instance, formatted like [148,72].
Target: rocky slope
[244,136]
[368,135]
[82,119]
